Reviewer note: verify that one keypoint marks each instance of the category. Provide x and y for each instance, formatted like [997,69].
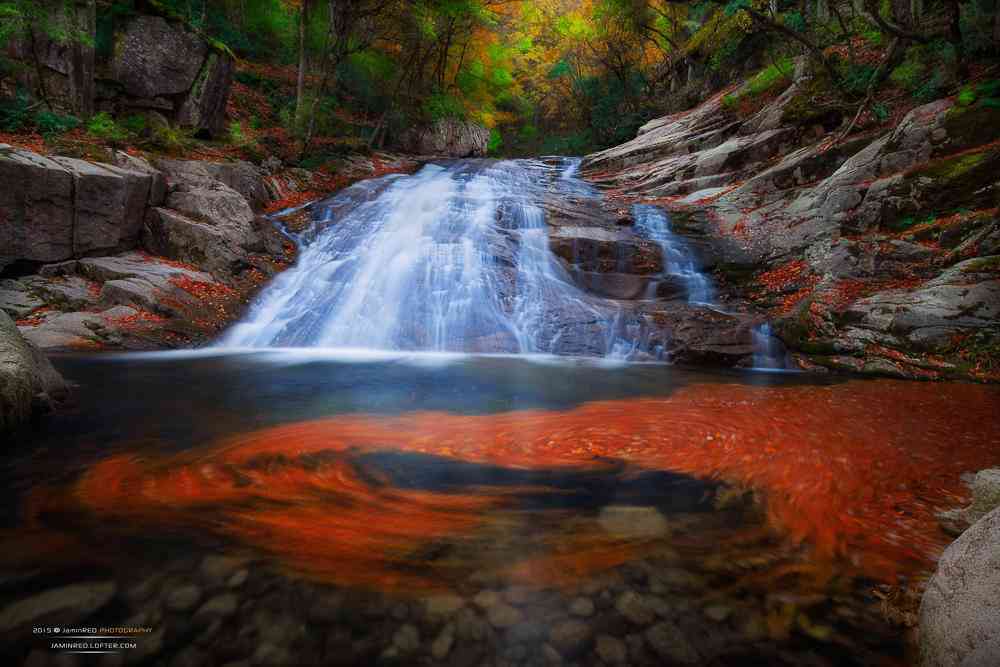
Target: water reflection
[474,510]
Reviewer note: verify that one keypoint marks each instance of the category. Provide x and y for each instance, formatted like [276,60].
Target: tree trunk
[902,13]
[300,83]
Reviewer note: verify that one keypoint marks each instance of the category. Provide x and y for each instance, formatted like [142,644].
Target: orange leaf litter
[857,470]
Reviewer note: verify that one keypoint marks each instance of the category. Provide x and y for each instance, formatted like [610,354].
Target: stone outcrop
[961,606]
[448,138]
[28,383]
[985,487]
[876,254]
[157,64]
[130,254]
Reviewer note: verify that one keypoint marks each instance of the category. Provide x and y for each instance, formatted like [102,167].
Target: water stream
[354,488]
[454,258]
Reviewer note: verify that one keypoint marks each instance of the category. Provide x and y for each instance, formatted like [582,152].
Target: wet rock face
[873,254]
[960,608]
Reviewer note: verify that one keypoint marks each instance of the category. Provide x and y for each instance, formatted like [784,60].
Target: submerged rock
[66,606]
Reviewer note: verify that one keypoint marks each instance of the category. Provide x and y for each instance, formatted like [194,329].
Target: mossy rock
[989,264]
[961,181]
[806,106]
[972,125]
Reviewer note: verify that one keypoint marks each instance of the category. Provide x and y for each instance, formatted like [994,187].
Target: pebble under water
[309,507]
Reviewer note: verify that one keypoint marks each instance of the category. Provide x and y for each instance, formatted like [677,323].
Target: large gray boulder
[245,178]
[204,108]
[28,382]
[216,249]
[449,137]
[154,57]
[53,209]
[960,610]
[99,196]
[36,208]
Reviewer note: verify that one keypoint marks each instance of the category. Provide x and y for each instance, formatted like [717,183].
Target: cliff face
[877,254]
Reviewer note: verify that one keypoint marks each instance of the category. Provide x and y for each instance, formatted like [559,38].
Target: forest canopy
[544,76]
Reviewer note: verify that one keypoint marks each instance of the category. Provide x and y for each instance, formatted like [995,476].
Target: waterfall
[679,262]
[768,351]
[454,258]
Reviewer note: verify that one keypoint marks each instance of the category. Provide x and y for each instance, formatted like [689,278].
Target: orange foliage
[844,468]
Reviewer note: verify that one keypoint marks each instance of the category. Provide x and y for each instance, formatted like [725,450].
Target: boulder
[448,137]
[68,605]
[242,177]
[217,249]
[985,489]
[154,57]
[214,203]
[157,181]
[28,382]
[204,108]
[109,203]
[960,610]
[36,208]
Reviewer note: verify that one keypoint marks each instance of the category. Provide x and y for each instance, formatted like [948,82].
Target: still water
[313,507]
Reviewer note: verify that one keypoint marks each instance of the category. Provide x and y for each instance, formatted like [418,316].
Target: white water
[452,258]
[768,352]
[679,262]
[455,258]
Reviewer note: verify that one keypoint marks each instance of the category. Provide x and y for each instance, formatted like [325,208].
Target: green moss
[908,74]
[966,97]
[970,125]
[956,167]
[989,264]
[803,108]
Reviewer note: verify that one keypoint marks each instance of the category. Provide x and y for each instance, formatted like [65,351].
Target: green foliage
[170,139]
[880,111]
[236,135]
[135,124]
[495,142]
[442,105]
[874,37]
[908,74]
[15,112]
[104,127]
[966,97]
[50,123]
[560,69]
[855,77]
[795,21]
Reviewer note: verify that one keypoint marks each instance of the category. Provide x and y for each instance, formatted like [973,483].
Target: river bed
[358,507]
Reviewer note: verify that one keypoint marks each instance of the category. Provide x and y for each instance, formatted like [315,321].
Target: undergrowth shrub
[50,123]
[15,112]
[104,127]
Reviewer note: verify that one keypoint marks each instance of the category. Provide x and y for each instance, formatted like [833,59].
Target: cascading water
[679,262]
[454,258]
[768,351]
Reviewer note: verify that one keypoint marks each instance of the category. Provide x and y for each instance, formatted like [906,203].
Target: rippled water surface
[354,507]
